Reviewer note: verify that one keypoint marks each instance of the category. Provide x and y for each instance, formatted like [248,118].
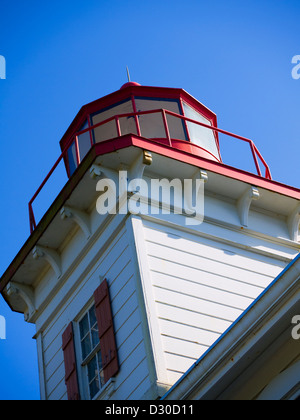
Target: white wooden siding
[117,266]
[199,287]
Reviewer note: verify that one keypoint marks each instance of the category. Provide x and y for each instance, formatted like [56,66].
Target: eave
[128,146]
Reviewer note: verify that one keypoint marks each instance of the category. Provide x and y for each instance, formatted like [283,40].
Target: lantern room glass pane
[109,129]
[105,132]
[84,144]
[128,125]
[152,125]
[72,160]
[202,136]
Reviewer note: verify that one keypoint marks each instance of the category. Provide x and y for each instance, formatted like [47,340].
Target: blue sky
[233,56]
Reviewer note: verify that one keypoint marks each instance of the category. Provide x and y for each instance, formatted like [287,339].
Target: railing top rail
[255,153]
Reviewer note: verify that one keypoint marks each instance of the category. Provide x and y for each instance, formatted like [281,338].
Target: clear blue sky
[233,56]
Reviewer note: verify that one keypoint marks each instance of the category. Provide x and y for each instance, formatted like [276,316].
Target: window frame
[82,363]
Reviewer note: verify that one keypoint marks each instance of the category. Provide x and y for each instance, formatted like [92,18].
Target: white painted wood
[149,301]
[212,280]
[192,317]
[169,297]
[174,290]
[195,286]
[69,303]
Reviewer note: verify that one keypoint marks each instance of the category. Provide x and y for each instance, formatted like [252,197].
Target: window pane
[92,314]
[92,369]
[84,326]
[176,128]
[94,327]
[152,125]
[100,368]
[128,125]
[105,132]
[72,158]
[202,136]
[94,387]
[86,346]
[84,144]
[93,375]
[109,130]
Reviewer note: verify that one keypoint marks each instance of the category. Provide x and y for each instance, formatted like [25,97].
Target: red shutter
[106,331]
[70,363]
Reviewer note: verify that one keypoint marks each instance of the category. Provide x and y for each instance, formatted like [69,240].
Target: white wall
[195,287]
[116,263]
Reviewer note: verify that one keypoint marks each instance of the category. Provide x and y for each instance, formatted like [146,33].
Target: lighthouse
[152,249]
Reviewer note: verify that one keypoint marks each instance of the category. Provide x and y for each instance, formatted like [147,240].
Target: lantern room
[165,115]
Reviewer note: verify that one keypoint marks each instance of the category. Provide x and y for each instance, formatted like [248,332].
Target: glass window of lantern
[72,159]
[152,125]
[84,141]
[109,129]
[202,136]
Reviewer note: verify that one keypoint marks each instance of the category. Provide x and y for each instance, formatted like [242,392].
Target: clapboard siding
[199,288]
[206,278]
[117,266]
[192,317]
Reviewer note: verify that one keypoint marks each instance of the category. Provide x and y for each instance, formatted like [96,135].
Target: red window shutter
[106,331]
[70,363]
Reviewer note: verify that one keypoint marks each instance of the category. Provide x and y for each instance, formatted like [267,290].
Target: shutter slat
[106,331]
[70,363]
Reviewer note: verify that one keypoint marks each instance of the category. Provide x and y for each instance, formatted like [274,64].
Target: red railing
[164,112]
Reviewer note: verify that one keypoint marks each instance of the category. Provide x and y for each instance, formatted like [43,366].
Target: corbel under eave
[244,203]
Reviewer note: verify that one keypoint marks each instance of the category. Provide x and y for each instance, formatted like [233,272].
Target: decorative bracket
[136,170]
[96,171]
[199,179]
[293,222]
[79,217]
[50,255]
[27,295]
[244,202]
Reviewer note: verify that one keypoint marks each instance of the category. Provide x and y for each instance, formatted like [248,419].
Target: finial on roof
[128,75]
[129,83]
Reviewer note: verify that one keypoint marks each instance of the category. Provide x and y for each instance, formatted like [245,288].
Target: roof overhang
[80,193]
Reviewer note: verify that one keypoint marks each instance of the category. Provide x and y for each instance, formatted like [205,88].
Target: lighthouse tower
[151,250]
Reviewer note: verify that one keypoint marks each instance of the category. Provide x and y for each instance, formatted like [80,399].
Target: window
[91,346]
[84,141]
[152,125]
[91,359]
[202,136]
[109,129]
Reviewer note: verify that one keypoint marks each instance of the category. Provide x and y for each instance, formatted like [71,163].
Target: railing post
[90,131]
[255,157]
[77,151]
[166,126]
[138,129]
[118,125]
[185,122]
[32,221]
